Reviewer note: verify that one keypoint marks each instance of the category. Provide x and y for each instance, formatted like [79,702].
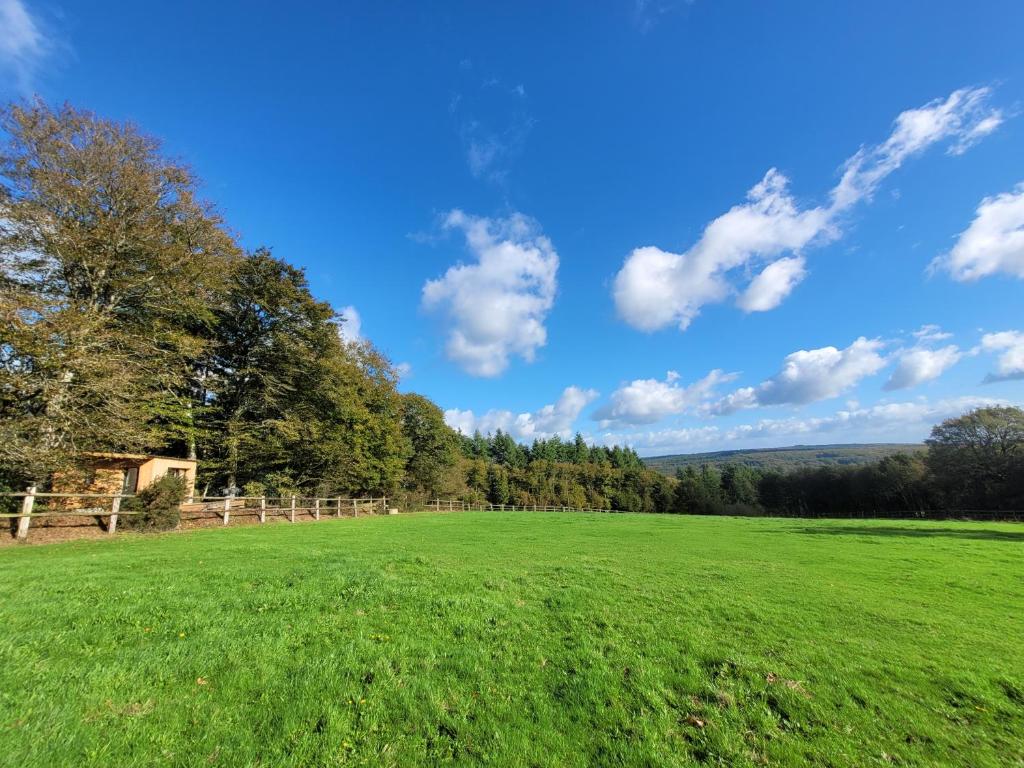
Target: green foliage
[699,492]
[978,459]
[132,321]
[503,449]
[519,639]
[253,489]
[109,264]
[432,443]
[158,506]
[973,463]
[497,484]
[554,472]
[782,459]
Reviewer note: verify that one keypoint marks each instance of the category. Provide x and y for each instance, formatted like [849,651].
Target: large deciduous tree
[433,445]
[977,460]
[108,264]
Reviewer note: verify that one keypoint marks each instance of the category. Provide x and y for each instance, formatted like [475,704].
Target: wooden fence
[284,506]
[453,505]
[106,507]
[97,505]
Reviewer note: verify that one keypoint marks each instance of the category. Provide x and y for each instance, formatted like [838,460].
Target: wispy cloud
[647,13]
[493,124]
[24,44]
[656,288]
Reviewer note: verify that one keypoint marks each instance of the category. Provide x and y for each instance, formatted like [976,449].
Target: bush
[158,505]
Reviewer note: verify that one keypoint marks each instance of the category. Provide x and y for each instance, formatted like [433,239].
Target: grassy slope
[526,639]
[783,459]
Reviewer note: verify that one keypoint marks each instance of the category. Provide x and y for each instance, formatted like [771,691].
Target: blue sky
[683,225]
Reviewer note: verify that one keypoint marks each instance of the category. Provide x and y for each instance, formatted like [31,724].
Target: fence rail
[288,506]
[28,501]
[109,507]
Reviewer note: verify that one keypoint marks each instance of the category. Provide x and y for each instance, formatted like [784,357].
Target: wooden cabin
[125,473]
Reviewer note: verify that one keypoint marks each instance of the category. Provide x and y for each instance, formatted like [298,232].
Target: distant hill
[784,459]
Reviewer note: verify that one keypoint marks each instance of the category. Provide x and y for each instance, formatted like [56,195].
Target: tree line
[972,463]
[501,448]
[133,321]
[496,469]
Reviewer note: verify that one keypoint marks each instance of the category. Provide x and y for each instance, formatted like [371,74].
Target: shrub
[253,489]
[158,505]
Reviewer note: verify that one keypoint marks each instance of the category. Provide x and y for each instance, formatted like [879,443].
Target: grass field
[519,639]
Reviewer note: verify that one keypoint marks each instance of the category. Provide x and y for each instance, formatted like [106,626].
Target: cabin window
[131,480]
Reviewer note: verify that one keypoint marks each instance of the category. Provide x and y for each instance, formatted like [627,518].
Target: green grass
[519,639]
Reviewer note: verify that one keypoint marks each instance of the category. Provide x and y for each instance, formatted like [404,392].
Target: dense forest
[133,321]
[971,463]
[497,470]
[784,459]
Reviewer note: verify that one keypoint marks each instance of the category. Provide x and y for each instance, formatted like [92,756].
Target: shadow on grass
[895,530]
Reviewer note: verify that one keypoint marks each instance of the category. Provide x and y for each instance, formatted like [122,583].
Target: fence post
[384,501]
[292,516]
[263,509]
[355,509]
[316,510]
[26,512]
[115,507]
[339,506]
[227,509]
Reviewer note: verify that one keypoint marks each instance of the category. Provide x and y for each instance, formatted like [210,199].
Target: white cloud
[1010,344]
[883,422]
[994,241]
[657,288]
[556,419]
[895,421]
[809,375]
[23,45]
[645,401]
[775,283]
[964,116]
[403,370]
[923,362]
[920,364]
[350,327]
[461,421]
[496,306]
[688,439]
